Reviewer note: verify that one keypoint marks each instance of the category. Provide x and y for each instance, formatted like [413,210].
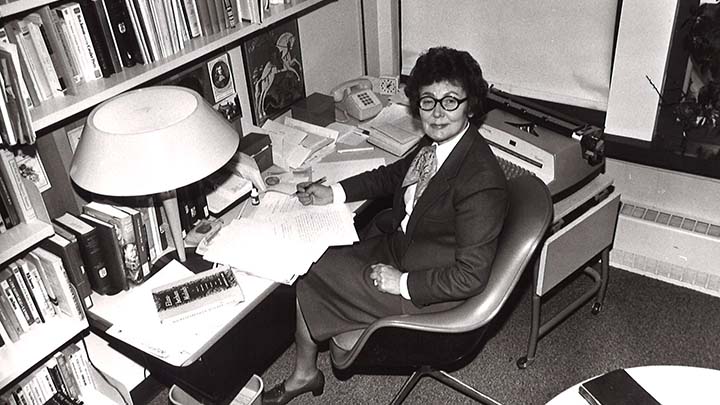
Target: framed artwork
[31,168]
[275,71]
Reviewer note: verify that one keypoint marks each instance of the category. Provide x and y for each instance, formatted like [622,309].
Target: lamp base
[193,261]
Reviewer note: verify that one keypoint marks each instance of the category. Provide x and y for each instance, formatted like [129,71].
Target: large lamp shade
[149,141]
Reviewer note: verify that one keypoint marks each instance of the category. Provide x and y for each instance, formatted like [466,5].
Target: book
[10,173]
[109,241]
[141,240]
[80,366]
[68,78]
[45,380]
[104,43]
[7,131]
[35,27]
[13,300]
[37,289]
[148,29]
[147,214]
[79,37]
[615,388]
[91,252]
[22,294]
[8,318]
[192,17]
[9,212]
[68,45]
[59,282]
[175,34]
[64,368]
[206,23]
[197,294]
[15,87]
[122,222]
[53,369]
[55,152]
[37,85]
[137,30]
[65,245]
[124,31]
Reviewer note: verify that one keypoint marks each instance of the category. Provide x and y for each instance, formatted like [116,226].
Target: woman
[449,203]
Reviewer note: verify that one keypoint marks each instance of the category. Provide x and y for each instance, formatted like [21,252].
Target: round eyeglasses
[448,103]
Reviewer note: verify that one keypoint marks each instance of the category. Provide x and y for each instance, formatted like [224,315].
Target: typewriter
[565,153]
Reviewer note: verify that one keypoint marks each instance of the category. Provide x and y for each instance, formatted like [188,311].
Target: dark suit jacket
[452,233]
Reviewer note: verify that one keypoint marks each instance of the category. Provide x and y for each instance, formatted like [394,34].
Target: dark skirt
[337,294]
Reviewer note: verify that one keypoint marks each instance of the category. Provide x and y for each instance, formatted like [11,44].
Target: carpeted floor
[643,322]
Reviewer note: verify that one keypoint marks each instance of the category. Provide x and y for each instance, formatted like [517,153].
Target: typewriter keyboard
[512,170]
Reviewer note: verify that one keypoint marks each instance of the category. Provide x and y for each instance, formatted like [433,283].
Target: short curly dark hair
[446,64]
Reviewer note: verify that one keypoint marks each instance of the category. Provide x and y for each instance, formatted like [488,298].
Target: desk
[670,385]
[216,357]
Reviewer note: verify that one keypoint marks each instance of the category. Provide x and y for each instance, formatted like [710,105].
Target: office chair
[425,344]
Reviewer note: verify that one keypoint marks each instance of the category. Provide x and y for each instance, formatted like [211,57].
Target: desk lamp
[152,141]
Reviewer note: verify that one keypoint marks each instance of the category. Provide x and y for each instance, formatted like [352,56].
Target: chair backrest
[529,216]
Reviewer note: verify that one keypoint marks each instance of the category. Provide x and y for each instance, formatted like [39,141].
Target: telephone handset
[356,98]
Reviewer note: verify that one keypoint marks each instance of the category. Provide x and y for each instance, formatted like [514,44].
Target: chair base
[444,378]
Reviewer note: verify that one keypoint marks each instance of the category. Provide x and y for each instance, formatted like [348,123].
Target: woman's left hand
[386,278]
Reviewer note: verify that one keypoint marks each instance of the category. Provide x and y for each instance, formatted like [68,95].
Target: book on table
[197,294]
[109,241]
[615,388]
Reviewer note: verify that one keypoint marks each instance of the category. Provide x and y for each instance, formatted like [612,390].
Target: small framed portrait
[275,71]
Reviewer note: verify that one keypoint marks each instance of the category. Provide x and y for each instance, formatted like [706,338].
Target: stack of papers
[295,141]
[394,130]
[280,239]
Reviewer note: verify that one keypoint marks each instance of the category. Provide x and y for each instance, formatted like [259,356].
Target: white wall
[331,43]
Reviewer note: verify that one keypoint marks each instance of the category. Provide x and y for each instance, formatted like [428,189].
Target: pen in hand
[307,198]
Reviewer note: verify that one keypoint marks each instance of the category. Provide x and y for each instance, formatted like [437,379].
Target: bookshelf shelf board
[93,93]
[33,346]
[21,237]
[19,6]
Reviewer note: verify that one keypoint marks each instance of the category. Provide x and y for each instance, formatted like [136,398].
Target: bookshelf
[93,93]
[36,345]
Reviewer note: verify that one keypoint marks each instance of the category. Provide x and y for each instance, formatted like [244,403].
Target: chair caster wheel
[523,362]
[596,307]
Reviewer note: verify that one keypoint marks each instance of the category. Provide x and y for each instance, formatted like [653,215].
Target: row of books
[33,290]
[116,245]
[66,378]
[15,121]
[15,204]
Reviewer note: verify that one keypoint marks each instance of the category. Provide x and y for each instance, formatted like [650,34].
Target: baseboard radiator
[668,246]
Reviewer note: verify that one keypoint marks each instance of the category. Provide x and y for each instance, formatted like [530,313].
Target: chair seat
[346,341]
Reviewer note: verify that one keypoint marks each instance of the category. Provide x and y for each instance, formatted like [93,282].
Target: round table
[669,385]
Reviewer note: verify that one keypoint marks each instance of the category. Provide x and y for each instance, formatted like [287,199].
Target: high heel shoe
[279,396]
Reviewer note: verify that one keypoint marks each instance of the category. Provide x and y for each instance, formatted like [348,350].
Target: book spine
[74,38]
[215,15]
[91,252]
[67,376]
[192,19]
[46,381]
[231,12]
[45,295]
[87,41]
[172,26]
[148,29]
[53,369]
[8,319]
[14,301]
[69,48]
[137,29]
[124,33]
[57,51]
[10,215]
[80,366]
[107,30]
[22,294]
[8,134]
[9,169]
[111,251]
[38,294]
[148,224]
[102,44]
[141,242]
[204,17]
[14,33]
[24,92]
[158,13]
[58,280]
[71,257]
[33,25]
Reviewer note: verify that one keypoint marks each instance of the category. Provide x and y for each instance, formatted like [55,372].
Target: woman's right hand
[316,194]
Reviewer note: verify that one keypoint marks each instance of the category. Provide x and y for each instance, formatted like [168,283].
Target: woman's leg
[306,352]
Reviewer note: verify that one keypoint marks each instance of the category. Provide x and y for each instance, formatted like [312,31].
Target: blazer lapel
[440,183]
